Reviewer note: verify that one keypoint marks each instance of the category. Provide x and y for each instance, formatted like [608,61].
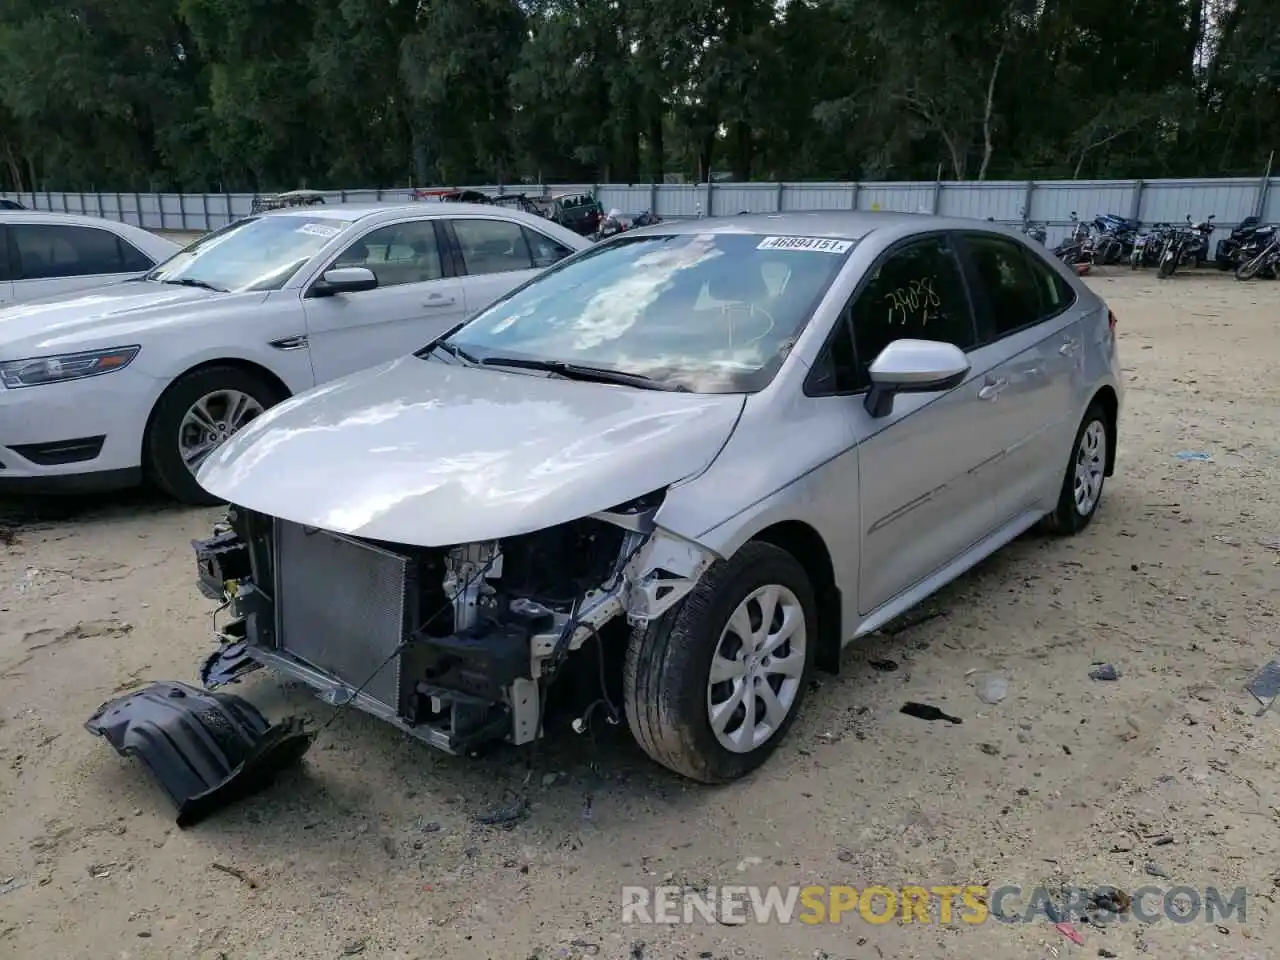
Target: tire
[666,676]
[1249,269]
[1069,517]
[162,457]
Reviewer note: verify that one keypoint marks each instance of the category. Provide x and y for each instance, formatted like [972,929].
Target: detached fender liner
[207,750]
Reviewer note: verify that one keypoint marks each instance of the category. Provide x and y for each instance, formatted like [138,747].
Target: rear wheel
[193,418]
[1086,473]
[713,685]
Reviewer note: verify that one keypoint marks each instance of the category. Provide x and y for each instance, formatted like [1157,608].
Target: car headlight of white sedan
[35,371]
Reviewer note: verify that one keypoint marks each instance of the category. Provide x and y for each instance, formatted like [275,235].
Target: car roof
[843,224]
[375,212]
[51,216]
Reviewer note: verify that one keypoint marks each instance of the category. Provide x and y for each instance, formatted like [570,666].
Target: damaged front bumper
[454,646]
[205,749]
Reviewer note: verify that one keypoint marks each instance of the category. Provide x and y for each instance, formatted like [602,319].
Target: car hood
[430,453]
[123,308]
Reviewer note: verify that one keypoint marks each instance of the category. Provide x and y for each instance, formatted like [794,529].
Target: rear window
[715,313]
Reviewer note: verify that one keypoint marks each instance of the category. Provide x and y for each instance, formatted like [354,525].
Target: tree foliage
[276,94]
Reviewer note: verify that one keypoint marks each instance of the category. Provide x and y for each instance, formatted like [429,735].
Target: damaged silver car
[695,462]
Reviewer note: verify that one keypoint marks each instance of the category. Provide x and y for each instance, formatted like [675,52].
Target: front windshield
[257,253]
[713,313]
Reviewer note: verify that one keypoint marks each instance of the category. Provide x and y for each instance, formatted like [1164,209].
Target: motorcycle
[1226,254]
[1260,257]
[610,226]
[1078,247]
[1185,245]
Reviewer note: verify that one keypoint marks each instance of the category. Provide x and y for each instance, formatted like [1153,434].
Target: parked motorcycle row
[1252,250]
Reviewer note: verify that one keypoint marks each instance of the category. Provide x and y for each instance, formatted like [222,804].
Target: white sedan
[56,253]
[142,380]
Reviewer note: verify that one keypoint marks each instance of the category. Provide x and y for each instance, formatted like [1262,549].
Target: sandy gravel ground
[1163,777]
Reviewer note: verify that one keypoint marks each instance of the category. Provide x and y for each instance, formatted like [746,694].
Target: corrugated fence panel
[1000,200]
[1271,206]
[817,196]
[897,197]
[1228,201]
[1052,201]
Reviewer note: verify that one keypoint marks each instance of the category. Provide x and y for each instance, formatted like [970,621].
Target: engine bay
[455,645]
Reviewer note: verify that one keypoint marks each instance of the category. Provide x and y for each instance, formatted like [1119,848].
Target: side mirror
[344,280]
[913,366]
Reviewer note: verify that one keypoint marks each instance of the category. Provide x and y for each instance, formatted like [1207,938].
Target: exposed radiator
[343,607]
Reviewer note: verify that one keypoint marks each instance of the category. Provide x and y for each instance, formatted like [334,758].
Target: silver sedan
[706,456]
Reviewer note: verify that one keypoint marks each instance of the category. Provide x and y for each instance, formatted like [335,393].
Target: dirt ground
[1164,777]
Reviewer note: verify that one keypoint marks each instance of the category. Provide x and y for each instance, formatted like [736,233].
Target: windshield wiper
[193,282]
[577,371]
[453,350]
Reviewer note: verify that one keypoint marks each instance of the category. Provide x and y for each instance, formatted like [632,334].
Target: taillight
[1111,321]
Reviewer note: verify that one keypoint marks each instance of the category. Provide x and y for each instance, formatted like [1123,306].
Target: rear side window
[492,246]
[1004,273]
[133,260]
[47,251]
[4,254]
[544,250]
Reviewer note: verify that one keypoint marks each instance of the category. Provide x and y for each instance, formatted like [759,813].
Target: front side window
[492,246]
[47,251]
[713,313]
[918,293]
[399,253]
[257,253]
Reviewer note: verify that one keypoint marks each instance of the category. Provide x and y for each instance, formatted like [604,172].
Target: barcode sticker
[320,230]
[811,244]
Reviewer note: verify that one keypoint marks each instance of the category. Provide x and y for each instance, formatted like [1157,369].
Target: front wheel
[1081,490]
[713,685]
[1250,268]
[194,417]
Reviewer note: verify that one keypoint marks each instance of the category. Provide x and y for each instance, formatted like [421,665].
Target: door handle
[440,302]
[992,389]
[1069,347]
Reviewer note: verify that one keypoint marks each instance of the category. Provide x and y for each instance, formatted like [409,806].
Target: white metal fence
[1051,202]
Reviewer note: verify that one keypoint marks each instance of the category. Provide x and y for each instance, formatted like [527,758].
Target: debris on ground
[1106,671]
[993,688]
[237,873]
[10,884]
[1155,870]
[883,665]
[1194,455]
[924,711]
[1265,685]
[505,816]
[1070,932]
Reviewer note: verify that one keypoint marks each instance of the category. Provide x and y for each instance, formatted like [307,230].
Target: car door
[417,298]
[1023,310]
[54,258]
[6,282]
[494,256]
[925,471]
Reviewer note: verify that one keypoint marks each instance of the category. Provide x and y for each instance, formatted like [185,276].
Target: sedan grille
[344,607]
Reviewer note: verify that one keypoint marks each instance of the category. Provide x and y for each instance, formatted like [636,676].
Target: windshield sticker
[813,244]
[320,230]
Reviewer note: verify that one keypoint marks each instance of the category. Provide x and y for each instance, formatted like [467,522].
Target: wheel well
[805,544]
[1110,403]
[281,389]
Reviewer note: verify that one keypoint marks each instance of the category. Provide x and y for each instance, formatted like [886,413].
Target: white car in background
[46,254]
[143,380]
